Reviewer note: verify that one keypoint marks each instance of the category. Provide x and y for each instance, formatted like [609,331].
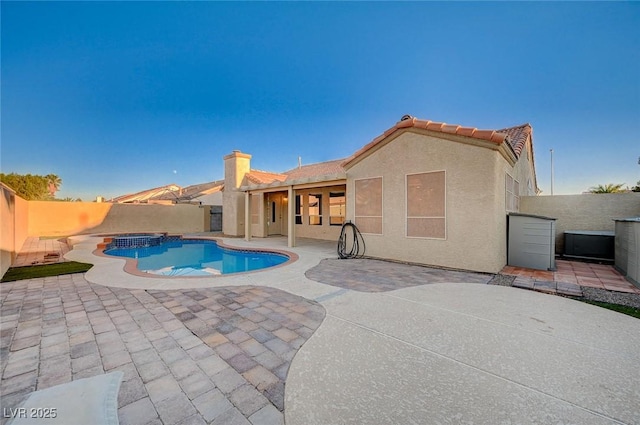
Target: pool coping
[131,264]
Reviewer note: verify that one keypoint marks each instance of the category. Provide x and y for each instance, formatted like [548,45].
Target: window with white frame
[337,210]
[426,205]
[315,209]
[512,194]
[368,205]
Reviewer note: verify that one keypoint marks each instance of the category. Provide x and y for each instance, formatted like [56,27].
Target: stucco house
[423,192]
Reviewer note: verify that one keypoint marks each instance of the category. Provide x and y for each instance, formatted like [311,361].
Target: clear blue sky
[118,97]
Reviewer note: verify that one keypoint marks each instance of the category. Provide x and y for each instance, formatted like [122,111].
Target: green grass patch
[45,270]
[630,311]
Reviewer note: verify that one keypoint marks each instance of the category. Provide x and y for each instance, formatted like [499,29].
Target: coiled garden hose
[357,242]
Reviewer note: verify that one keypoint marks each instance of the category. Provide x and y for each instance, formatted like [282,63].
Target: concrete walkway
[438,353]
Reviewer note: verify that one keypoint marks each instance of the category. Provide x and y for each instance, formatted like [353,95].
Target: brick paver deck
[41,251]
[571,274]
[366,275]
[216,356]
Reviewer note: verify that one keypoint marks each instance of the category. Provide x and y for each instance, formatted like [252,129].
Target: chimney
[236,165]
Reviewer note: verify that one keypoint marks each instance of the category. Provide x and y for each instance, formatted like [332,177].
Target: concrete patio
[447,348]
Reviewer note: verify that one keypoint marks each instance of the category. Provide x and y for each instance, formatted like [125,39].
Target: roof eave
[326,178]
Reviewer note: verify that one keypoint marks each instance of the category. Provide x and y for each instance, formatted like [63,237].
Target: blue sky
[117,97]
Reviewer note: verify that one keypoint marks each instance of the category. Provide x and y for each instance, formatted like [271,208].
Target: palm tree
[607,188]
[54,183]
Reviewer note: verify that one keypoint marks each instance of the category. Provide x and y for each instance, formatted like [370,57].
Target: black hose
[357,242]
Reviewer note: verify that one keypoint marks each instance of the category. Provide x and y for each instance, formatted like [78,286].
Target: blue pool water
[194,257]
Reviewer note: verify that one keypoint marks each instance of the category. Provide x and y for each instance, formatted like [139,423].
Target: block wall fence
[22,219]
[582,212]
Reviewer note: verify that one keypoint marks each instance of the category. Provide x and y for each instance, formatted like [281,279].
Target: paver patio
[207,356]
[391,349]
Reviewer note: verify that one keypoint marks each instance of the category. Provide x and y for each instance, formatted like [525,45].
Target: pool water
[194,257]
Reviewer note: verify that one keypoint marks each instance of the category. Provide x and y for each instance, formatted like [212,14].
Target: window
[298,211]
[426,202]
[512,194]
[368,207]
[337,208]
[315,210]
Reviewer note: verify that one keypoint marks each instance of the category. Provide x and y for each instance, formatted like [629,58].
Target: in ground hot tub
[137,240]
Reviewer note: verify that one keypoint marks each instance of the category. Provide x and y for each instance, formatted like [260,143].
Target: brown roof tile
[518,136]
[261,177]
[316,170]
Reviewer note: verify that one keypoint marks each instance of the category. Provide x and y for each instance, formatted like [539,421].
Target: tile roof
[171,192]
[305,172]
[190,192]
[495,136]
[518,136]
[145,195]
[316,170]
[262,177]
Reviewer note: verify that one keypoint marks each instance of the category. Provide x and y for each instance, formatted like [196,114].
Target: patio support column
[247,216]
[291,222]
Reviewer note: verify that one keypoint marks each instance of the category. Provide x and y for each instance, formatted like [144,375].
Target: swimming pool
[196,257]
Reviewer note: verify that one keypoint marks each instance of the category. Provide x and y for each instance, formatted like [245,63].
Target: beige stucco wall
[475,202]
[582,212]
[13,226]
[210,199]
[259,230]
[7,238]
[67,218]
[21,221]
[236,166]
[324,231]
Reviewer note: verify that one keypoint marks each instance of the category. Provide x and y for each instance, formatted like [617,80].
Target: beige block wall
[13,226]
[21,221]
[68,218]
[475,214]
[582,212]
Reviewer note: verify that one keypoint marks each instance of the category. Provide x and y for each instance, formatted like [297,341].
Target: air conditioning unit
[591,245]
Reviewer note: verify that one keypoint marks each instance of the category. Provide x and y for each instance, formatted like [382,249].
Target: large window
[426,205]
[512,194]
[337,208]
[315,209]
[368,208]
